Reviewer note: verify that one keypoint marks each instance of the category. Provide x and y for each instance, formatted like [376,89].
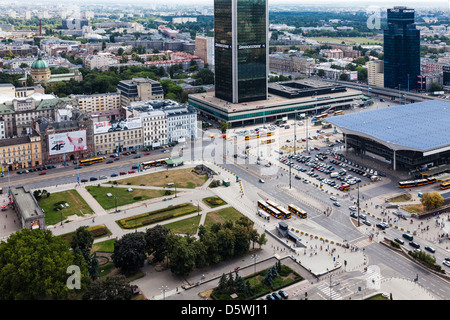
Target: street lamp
[163,289]
[254,257]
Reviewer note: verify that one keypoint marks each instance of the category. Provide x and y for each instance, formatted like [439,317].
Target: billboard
[117,125]
[353,76]
[67,142]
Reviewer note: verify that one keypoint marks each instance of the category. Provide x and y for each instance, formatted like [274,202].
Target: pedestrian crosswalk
[328,292]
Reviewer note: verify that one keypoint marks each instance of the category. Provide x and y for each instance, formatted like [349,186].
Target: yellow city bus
[154,163]
[91,161]
[300,212]
[445,185]
[269,209]
[285,212]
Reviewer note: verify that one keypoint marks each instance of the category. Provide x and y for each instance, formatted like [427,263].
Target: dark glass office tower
[241,50]
[401,49]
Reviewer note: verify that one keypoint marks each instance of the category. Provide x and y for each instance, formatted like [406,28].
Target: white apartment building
[375,73]
[154,127]
[98,102]
[164,121]
[100,60]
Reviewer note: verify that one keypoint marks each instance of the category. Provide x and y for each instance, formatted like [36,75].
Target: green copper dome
[39,64]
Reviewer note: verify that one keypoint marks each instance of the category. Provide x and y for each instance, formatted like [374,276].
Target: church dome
[39,64]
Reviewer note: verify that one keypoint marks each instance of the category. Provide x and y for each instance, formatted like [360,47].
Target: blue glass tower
[401,50]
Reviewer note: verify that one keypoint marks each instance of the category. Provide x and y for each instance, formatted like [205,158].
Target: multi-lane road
[338,222]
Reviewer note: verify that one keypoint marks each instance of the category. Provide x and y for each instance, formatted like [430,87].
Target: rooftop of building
[27,203]
[417,127]
[275,98]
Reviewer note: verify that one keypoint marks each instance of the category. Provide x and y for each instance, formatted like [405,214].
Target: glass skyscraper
[241,50]
[401,50]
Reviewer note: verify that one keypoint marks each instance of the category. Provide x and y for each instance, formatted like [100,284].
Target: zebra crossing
[328,292]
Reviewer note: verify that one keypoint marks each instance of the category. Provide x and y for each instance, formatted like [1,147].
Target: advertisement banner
[117,125]
[67,142]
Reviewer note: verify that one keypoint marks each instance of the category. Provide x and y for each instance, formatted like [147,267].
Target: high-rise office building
[241,50]
[401,50]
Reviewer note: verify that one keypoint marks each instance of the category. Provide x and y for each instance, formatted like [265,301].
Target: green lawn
[185,226]
[222,215]
[104,246]
[123,196]
[76,203]
[183,178]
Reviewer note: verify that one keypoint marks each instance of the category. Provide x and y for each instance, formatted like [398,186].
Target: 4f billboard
[67,142]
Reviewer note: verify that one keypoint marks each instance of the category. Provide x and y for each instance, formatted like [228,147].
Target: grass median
[121,196]
[182,178]
[55,209]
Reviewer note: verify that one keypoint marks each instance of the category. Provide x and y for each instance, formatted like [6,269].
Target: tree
[83,240]
[182,255]
[206,76]
[343,77]
[129,252]
[432,200]
[34,264]
[112,288]
[435,87]
[321,73]
[155,239]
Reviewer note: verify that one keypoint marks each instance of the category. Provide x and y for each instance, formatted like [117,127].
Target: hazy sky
[343,3]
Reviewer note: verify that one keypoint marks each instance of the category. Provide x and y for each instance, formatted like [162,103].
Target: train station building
[285,100]
[408,137]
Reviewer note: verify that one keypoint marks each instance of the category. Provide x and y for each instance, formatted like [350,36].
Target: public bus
[339,112]
[91,161]
[272,203]
[321,116]
[285,212]
[416,183]
[445,185]
[258,135]
[154,163]
[268,141]
[269,209]
[344,187]
[300,212]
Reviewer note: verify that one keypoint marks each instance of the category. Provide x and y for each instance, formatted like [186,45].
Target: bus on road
[269,209]
[296,210]
[91,161]
[154,163]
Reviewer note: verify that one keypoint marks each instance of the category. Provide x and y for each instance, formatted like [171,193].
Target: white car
[333,198]
[353,208]
[447,263]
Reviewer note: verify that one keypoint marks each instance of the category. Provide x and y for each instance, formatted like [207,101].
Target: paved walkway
[318,257]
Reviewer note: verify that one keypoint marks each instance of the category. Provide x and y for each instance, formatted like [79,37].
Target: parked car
[131,171]
[276,296]
[270,297]
[122,173]
[283,294]
[84,180]
[93,179]
[110,161]
[114,175]
[42,172]
[337,204]
[103,177]
[147,154]
[400,241]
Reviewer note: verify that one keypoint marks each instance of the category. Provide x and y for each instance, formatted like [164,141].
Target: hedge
[148,218]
